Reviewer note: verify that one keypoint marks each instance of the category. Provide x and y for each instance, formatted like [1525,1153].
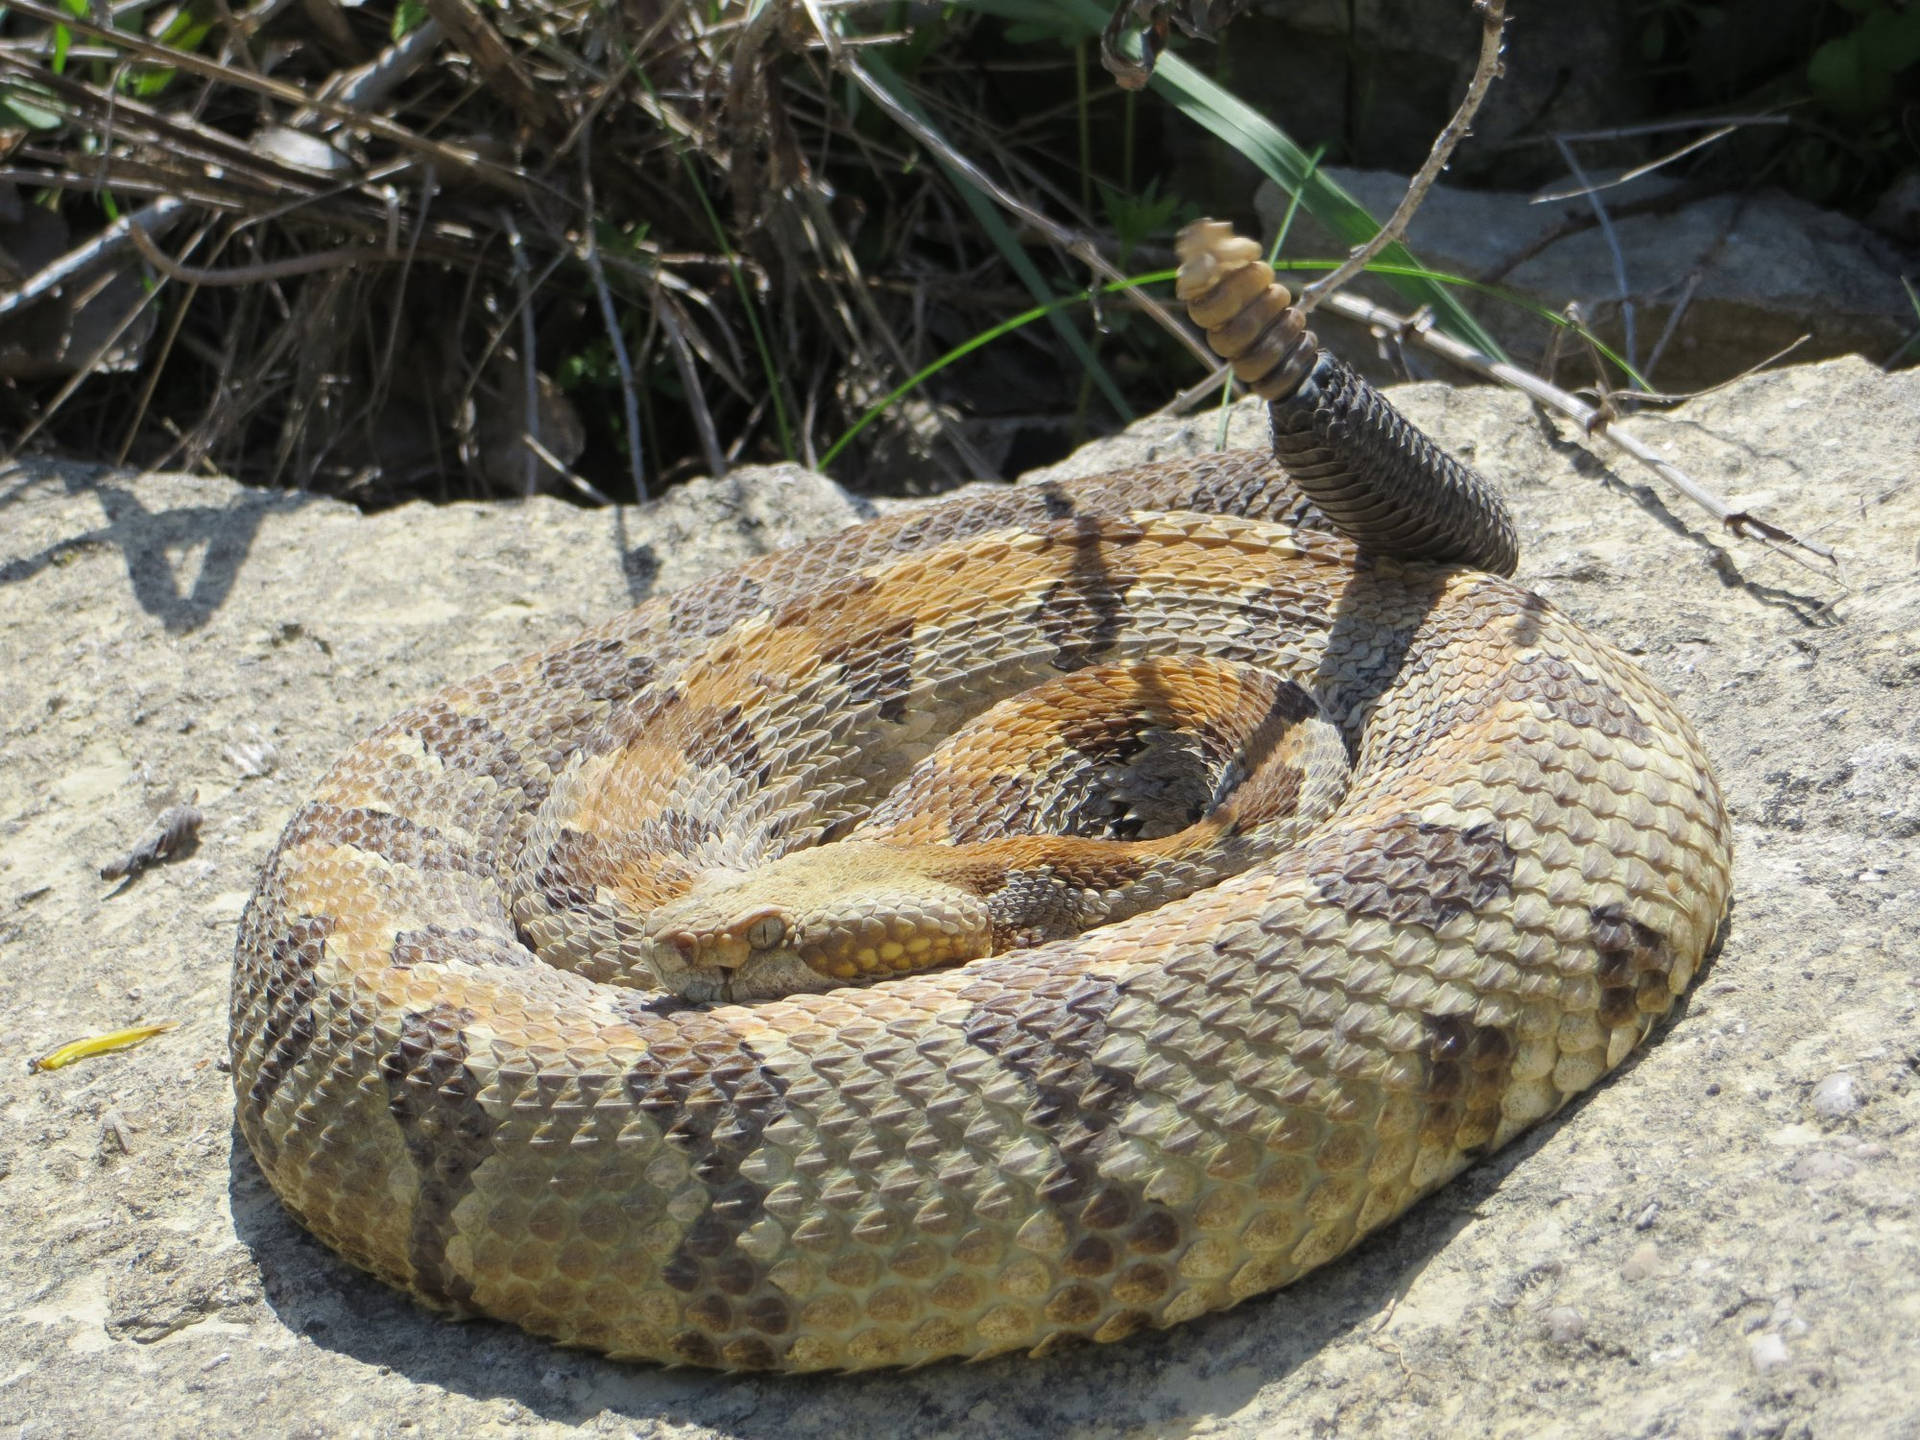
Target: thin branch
[579,482]
[669,317]
[118,236]
[1658,397]
[1654,127]
[498,65]
[1688,289]
[1635,172]
[370,85]
[1592,421]
[1625,293]
[178,137]
[530,374]
[264,271]
[1493,24]
[590,253]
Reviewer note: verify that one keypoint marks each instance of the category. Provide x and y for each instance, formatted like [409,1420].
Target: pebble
[1822,1166]
[1644,1261]
[1565,1325]
[1836,1097]
[1767,1351]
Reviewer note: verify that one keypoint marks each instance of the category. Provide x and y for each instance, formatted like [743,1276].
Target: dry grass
[490,253]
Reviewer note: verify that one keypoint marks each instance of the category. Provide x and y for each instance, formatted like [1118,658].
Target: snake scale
[1471,856]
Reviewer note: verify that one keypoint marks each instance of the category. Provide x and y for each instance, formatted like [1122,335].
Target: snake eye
[767,932]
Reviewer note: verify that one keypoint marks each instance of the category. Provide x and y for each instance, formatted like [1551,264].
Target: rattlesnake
[1518,862]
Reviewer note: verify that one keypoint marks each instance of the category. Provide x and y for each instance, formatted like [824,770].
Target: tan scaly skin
[1478,855]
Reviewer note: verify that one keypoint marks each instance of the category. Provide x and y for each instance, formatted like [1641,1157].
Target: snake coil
[1515,863]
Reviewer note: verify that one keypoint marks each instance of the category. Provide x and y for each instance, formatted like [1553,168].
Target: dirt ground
[1720,1242]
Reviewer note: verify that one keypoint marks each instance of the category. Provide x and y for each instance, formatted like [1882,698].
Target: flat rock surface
[1720,1242]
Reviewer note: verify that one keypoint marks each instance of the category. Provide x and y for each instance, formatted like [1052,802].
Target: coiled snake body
[532,1019]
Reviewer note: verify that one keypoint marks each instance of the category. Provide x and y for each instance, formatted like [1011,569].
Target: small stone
[1768,1352]
[252,758]
[1823,1167]
[1644,1261]
[1565,1325]
[1836,1097]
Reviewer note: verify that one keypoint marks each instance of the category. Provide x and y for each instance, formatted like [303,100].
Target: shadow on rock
[149,541]
[1809,609]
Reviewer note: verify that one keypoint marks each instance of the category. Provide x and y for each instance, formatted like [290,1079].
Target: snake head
[727,939]
[751,934]
[810,921]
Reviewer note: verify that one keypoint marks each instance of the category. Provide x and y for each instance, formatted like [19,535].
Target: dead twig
[371,85]
[529,368]
[579,482]
[1624,295]
[498,65]
[1732,124]
[505,177]
[666,310]
[263,271]
[1659,397]
[1493,24]
[609,318]
[1592,421]
[175,832]
[117,237]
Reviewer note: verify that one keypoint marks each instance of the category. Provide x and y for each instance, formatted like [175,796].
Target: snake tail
[1388,487]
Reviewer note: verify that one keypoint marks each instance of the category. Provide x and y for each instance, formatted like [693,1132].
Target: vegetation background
[438,248]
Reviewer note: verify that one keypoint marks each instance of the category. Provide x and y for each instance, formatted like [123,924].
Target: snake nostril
[687,943]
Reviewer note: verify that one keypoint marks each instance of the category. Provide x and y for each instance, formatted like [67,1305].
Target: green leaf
[145,81]
[1842,76]
[184,31]
[62,43]
[408,16]
[30,105]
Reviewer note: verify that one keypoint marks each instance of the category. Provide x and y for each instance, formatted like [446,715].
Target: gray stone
[150,624]
[1836,1097]
[1753,272]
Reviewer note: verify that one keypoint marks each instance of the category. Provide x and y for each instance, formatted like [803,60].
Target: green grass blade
[1159,277]
[1267,146]
[967,347]
[1006,242]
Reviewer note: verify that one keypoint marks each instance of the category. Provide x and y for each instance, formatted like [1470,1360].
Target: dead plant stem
[1493,22]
